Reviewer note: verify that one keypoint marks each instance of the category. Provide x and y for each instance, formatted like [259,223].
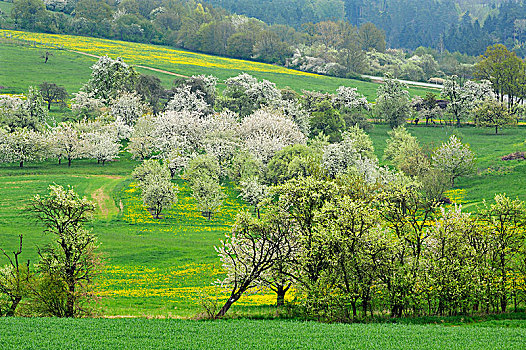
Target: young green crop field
[34,333]
[14,64]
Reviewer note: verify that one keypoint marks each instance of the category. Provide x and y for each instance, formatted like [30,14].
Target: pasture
[71,51]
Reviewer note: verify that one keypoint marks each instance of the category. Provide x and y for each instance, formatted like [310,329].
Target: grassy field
[176,61]
[163,267]
[33,333]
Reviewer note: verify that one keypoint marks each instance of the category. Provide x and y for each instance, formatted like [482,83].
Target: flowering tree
[128,107]
[67,142]
[462,99]
[264,133]
[293,110]
[454,159]
[23,145]
[71,258]
[86,105]
[393,103]
[142,141]
[182,130]
[244,94]
[103,145]
[350,98]
[406,153]
[250,250]
[494,114]
[158,192]
[253,191]
[109,77]
[184,99]
[30,112]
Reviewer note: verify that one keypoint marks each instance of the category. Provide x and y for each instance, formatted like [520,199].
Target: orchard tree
[154,179]
[66,142]
[393,103]
[158,193]
[103,146]
[454,159]
[208,194]
[463,98]
[71,258]
[150,167]
[250,250]
[406,153]
[253,192]
[184,99]
[264,133]
[128,108]
[142,140]
[86,105]
[24,145]
[491,113]
[109,77]
[52,93]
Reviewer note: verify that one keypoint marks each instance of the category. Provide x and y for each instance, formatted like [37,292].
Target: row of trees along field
[329,222]
[326,44]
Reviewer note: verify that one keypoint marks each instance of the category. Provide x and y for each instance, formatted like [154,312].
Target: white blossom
[264,133]
[454,158]
[184,99]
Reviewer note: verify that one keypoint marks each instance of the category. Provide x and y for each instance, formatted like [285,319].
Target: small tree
[71,259]
[208,194]
[14,280]
[23,145]
[248,252]
[65,141]
[158,193]
[253,191]
[491,113]
[393,103]
[454,159]
[103,146]
[53,93]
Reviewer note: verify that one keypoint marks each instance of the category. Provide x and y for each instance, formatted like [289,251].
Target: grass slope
[31,333]
[185,63]
[492,174]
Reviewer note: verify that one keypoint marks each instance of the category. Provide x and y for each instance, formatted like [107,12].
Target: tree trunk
[228,304]
[496,130]
[69,162]
[21,163]
[12,308]
[49,105]
[59,161]
[280,299]
[353,304]
[70,300]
